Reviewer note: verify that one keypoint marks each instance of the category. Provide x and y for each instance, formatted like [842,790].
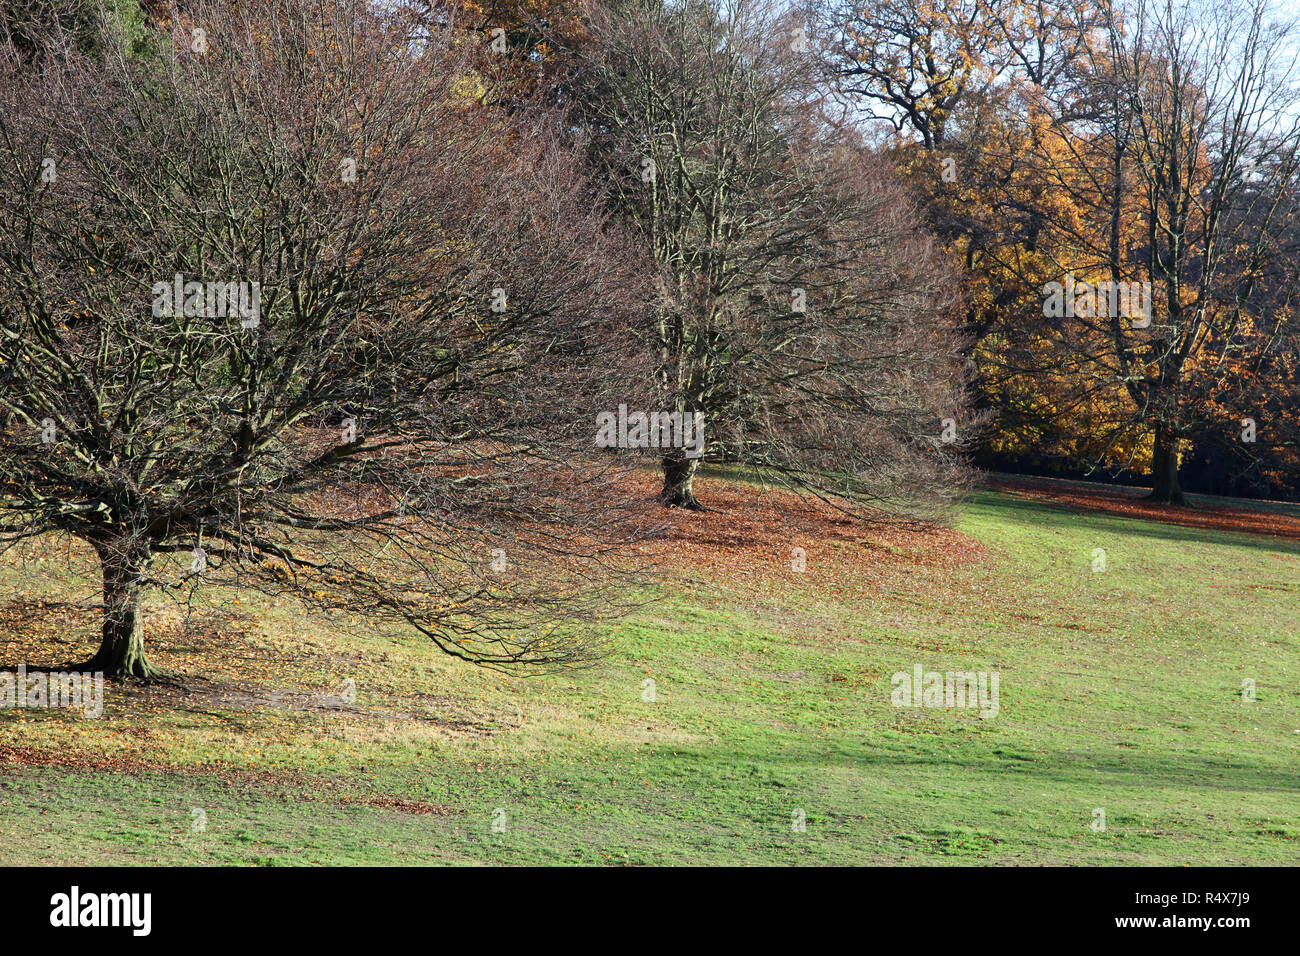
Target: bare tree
[801,311]
[288,301]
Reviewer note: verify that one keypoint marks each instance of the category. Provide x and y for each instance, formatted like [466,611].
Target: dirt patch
[1129,503]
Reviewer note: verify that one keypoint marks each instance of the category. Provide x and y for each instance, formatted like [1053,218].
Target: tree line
[1149,144]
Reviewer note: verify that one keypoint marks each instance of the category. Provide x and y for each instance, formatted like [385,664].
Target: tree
[34,26]
[801,314]
[289,303]
[1096,145]
[1181,171]
[521,48]
[963,91]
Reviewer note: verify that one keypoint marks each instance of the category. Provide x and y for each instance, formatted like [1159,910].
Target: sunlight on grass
[1120,692]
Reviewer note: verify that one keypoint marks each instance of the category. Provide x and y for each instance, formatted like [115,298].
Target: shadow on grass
[1049,514]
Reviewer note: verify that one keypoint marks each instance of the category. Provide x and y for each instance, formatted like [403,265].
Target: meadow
[743,715]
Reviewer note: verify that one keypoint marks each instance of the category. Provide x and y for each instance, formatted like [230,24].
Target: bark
[679,478]
[121,652]
[1164,470]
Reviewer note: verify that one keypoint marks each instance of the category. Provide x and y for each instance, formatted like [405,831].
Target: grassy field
[1120,691]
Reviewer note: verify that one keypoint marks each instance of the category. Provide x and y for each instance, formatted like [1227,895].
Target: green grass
[1118,690]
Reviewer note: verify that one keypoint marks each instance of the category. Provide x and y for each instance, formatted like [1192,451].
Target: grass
[1119,691]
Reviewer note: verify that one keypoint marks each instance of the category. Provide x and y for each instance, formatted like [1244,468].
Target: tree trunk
[1164,470]
[679,476]
[121,653]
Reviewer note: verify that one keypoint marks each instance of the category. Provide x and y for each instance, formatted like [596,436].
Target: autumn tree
[1098,144]
[959,94]
[289,304]
[1180,174]
[800,311]
[520,50]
